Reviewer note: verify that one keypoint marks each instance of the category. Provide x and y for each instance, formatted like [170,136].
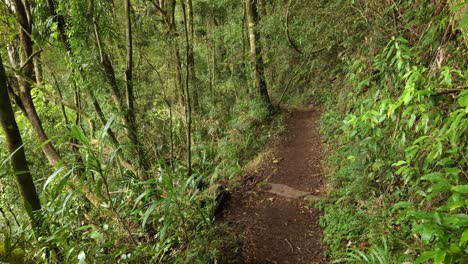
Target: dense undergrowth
[108,200]
[397,142]
[168,218]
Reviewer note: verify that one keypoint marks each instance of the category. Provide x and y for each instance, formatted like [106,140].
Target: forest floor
[270,211]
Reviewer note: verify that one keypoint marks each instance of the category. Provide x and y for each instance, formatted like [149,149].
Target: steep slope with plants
[398,155]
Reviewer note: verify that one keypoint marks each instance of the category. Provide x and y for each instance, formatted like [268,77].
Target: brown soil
[270,211]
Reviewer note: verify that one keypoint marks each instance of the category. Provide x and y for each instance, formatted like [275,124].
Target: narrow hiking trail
[269,212]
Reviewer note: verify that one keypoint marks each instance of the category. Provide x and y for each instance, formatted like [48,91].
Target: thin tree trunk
[291,41]
[109,74]
[38,73]
[179,86]
[62,107]
[102,118]
[256,52]
[23,15]
[188,107]
[191,58]
[170,7]
[243,27]
[172,27]
[213,71]
[24,18]
[18,158]
[213,64]
[60,21]
[130,96]
[64,39]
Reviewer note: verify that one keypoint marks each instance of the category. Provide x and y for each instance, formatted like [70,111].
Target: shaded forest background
[125,122]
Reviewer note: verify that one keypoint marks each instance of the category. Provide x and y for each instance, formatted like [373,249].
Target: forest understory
[150,131]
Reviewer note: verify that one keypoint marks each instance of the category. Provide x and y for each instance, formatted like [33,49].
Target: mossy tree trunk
[256,51]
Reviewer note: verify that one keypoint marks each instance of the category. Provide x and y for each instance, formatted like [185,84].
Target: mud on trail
[268,211]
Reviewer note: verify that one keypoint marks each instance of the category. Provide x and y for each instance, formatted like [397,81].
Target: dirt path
[269,211]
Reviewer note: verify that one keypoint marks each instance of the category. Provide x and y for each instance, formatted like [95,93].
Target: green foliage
[402,145]
[169,211]
[376,255]
[392,76]
[98,205]
[344,223]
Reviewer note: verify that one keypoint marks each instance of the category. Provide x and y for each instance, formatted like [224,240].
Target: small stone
[286,191]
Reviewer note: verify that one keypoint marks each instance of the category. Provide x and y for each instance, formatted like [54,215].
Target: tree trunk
[18,157]
[130,97]
[64,39]
[170,11]
[38,73]
[23,15]
[212,24]
[256,52]
[191,58]
[60,21]
[109,74]
[129,91]
[172,31]
[188,107]
[243,27]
